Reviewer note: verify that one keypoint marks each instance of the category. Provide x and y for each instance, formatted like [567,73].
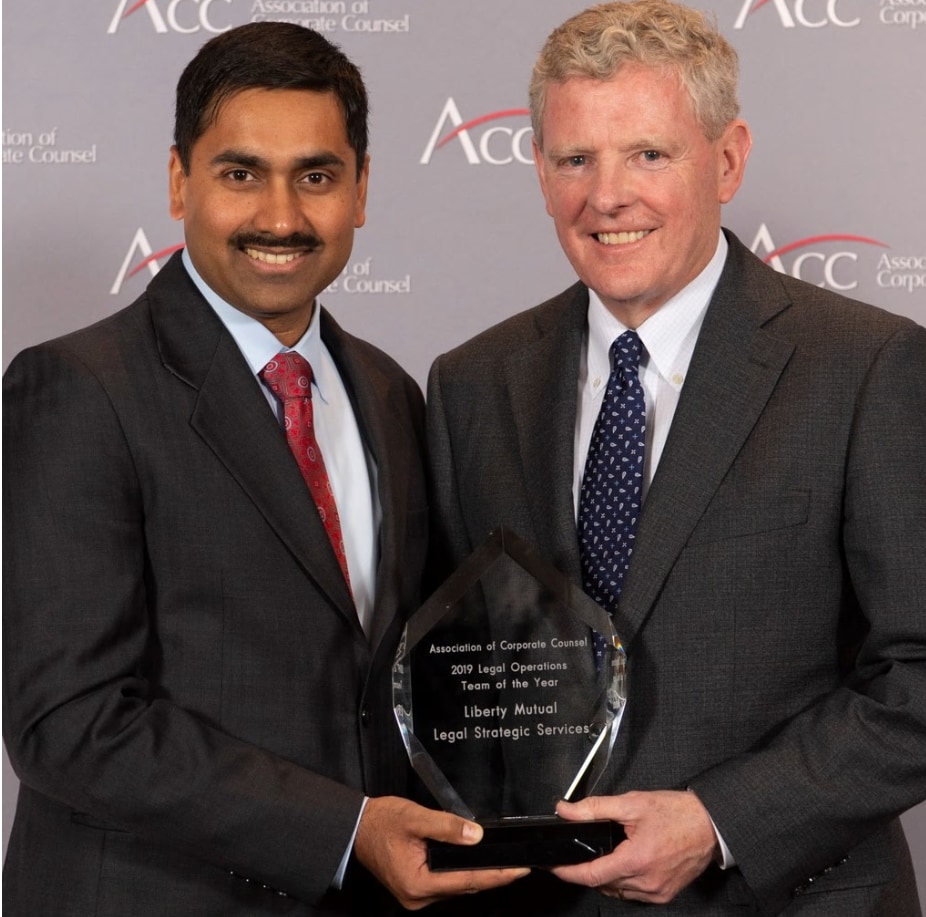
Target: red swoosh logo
[132,9]
[163,253]
[811,240]
[511,112]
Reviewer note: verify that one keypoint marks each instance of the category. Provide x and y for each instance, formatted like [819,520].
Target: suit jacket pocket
[731,517]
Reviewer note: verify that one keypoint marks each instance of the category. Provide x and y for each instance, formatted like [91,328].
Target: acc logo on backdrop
[184,16]
[811,14]
[498,145]
[819,264]
[902,12]
[140,247]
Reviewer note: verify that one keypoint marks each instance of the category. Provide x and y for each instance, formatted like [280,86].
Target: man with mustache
[216,520]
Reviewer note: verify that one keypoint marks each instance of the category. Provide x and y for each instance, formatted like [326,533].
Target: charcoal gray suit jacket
[774,612]
[189,700]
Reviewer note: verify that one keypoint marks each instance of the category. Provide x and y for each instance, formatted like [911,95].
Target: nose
[612,187]
[279,212]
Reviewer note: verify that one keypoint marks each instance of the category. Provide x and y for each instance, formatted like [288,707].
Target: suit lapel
[543,406]
[232,417]
[734,370]
[372,396]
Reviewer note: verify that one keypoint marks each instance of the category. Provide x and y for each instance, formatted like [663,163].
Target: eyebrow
[641,143]
[558,152]
[234,157]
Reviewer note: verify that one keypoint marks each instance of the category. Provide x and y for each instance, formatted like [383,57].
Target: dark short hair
[267,55]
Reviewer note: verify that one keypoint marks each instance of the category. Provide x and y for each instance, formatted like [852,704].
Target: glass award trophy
[508,688]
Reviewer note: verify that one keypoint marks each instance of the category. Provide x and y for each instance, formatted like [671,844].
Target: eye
[575,161]
[316,178]
[239,175]
[652,157]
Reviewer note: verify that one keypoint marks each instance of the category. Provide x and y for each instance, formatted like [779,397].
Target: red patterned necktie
[290,378]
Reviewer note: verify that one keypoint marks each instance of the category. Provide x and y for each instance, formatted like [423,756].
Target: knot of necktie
[288,375]
[626,352]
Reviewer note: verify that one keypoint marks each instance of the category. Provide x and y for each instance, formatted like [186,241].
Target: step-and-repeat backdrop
[457,236]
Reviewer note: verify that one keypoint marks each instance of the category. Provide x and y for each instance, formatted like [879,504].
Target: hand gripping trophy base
[534,840]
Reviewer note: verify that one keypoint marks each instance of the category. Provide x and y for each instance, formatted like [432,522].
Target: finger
[580,874]
[623,892]
[444,885]
[574,811]
[621,808]
[452,829]
[609,870]
[476,880]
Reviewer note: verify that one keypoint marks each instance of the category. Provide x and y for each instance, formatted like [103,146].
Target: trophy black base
[536,841]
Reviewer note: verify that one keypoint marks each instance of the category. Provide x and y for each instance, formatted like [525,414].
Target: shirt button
[677,379]
[365,716]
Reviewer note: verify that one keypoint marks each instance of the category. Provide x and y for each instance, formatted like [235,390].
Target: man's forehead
[223,97]
[624,84]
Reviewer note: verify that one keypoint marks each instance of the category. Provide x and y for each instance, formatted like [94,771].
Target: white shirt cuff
[338,880]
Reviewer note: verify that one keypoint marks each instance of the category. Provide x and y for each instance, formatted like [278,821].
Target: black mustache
[294,240]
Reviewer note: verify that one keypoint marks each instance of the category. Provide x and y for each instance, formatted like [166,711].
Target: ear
[360,207]
[541,174]
[732,152]
[176,183]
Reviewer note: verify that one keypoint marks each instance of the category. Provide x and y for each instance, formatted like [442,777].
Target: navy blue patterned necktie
[612,486]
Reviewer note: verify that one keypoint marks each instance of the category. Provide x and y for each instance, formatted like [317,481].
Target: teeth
[271,257]
[621,238]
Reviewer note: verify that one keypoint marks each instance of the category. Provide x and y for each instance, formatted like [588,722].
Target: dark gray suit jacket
[774,612]
[188,694]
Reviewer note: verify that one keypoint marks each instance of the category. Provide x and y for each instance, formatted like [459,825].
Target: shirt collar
[669,334]
[255,341]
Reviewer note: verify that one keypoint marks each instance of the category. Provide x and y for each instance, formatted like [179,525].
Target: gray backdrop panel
[457,236]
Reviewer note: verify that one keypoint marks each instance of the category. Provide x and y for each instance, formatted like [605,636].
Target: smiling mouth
[621,238]
[272,257]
